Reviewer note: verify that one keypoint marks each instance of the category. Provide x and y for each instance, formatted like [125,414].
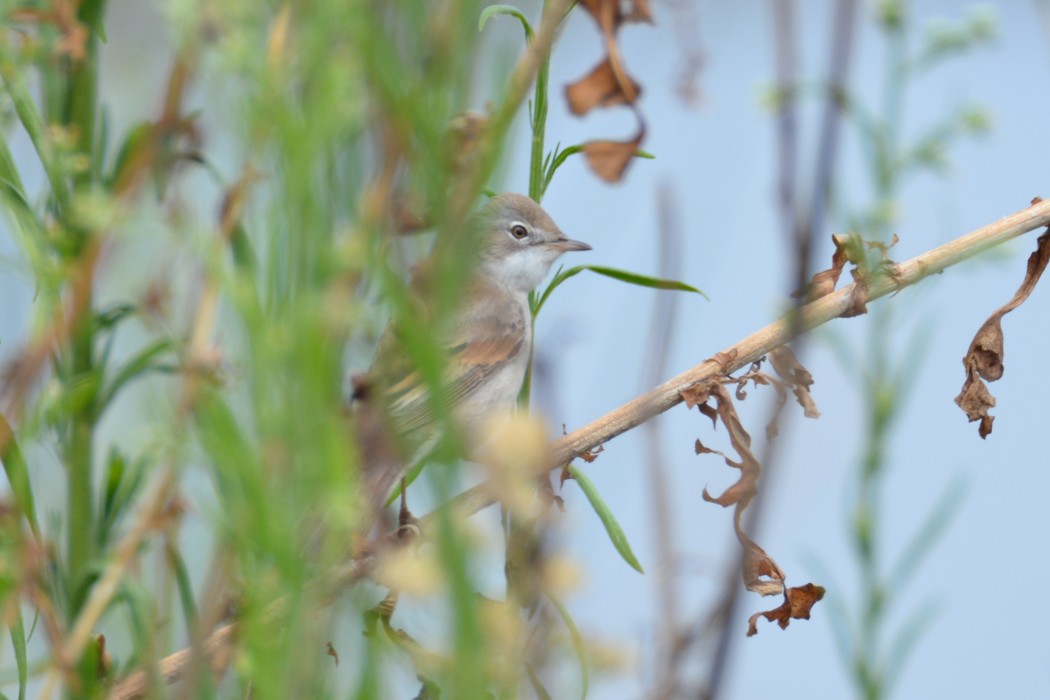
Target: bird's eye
[519,231]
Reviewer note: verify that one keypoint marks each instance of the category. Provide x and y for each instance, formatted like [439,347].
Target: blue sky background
[717,157]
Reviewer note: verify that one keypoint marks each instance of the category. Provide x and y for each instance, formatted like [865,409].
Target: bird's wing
[480,345]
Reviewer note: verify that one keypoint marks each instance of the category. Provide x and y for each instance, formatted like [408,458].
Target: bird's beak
[565,245]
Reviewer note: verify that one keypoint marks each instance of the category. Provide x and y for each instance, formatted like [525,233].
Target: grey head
[520,242]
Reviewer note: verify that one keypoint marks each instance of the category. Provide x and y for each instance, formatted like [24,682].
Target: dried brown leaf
[697,395]
[760,571]
[602,87]
[761,574]
[606,13]
[984,357]
[858,298]
[640,12]
[740,493]
[609,159]
[788,368]
[798,602]
[823,282]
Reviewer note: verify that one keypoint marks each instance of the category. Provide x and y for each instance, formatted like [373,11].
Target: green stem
[79,115]
[539,129]
[79,451]
[536,188]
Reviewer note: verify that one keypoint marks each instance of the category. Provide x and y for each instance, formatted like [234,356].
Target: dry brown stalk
[897,276]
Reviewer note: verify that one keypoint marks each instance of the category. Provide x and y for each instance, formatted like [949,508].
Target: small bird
[486,345]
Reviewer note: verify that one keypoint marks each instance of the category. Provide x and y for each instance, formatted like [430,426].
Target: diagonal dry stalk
[743,353]
[893,278]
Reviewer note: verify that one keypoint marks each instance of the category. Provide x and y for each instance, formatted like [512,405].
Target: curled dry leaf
[849,247]
[798,602]
[640,12]
[607,13]
[608,84]
[984,358]
[601,88]
[760,571]
[823,283]
[609,159]
[740,493]
[858,298]
[761,574]
[788,368]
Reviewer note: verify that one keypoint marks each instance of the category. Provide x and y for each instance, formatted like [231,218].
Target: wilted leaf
[760,571]
[606,13]
[798,602]
[858,298]
[823,282]
[761,574]
[609,159]
[640,12]
[746,486]
[984,358]
[606,85]
[602,87]
[787,367]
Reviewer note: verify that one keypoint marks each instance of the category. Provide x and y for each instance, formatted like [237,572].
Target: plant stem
[539,127]
[79,115]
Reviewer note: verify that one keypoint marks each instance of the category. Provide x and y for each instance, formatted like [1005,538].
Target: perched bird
[486,341]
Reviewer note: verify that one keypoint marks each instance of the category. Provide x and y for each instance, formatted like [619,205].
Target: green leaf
[643,280]
[557,158]
[621,275]
[132,369]
[937,521]
[137,141]
[33,123]
[17,474]
[905,641]
[510,10]
[184,585]
[18,641]
[612,527]
[9,171]
[241,247]
[123,483]
[577,644]
[110,316]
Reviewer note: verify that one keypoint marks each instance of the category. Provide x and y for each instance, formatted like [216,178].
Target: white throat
[522,270]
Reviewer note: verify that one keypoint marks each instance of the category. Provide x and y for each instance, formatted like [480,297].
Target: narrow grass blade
[509,10]
[577,645]
[17,474]
[18,641]
[612,527]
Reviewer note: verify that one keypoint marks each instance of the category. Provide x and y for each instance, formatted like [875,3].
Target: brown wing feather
[483,338]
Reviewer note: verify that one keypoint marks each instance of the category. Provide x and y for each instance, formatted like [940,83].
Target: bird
[487,342]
